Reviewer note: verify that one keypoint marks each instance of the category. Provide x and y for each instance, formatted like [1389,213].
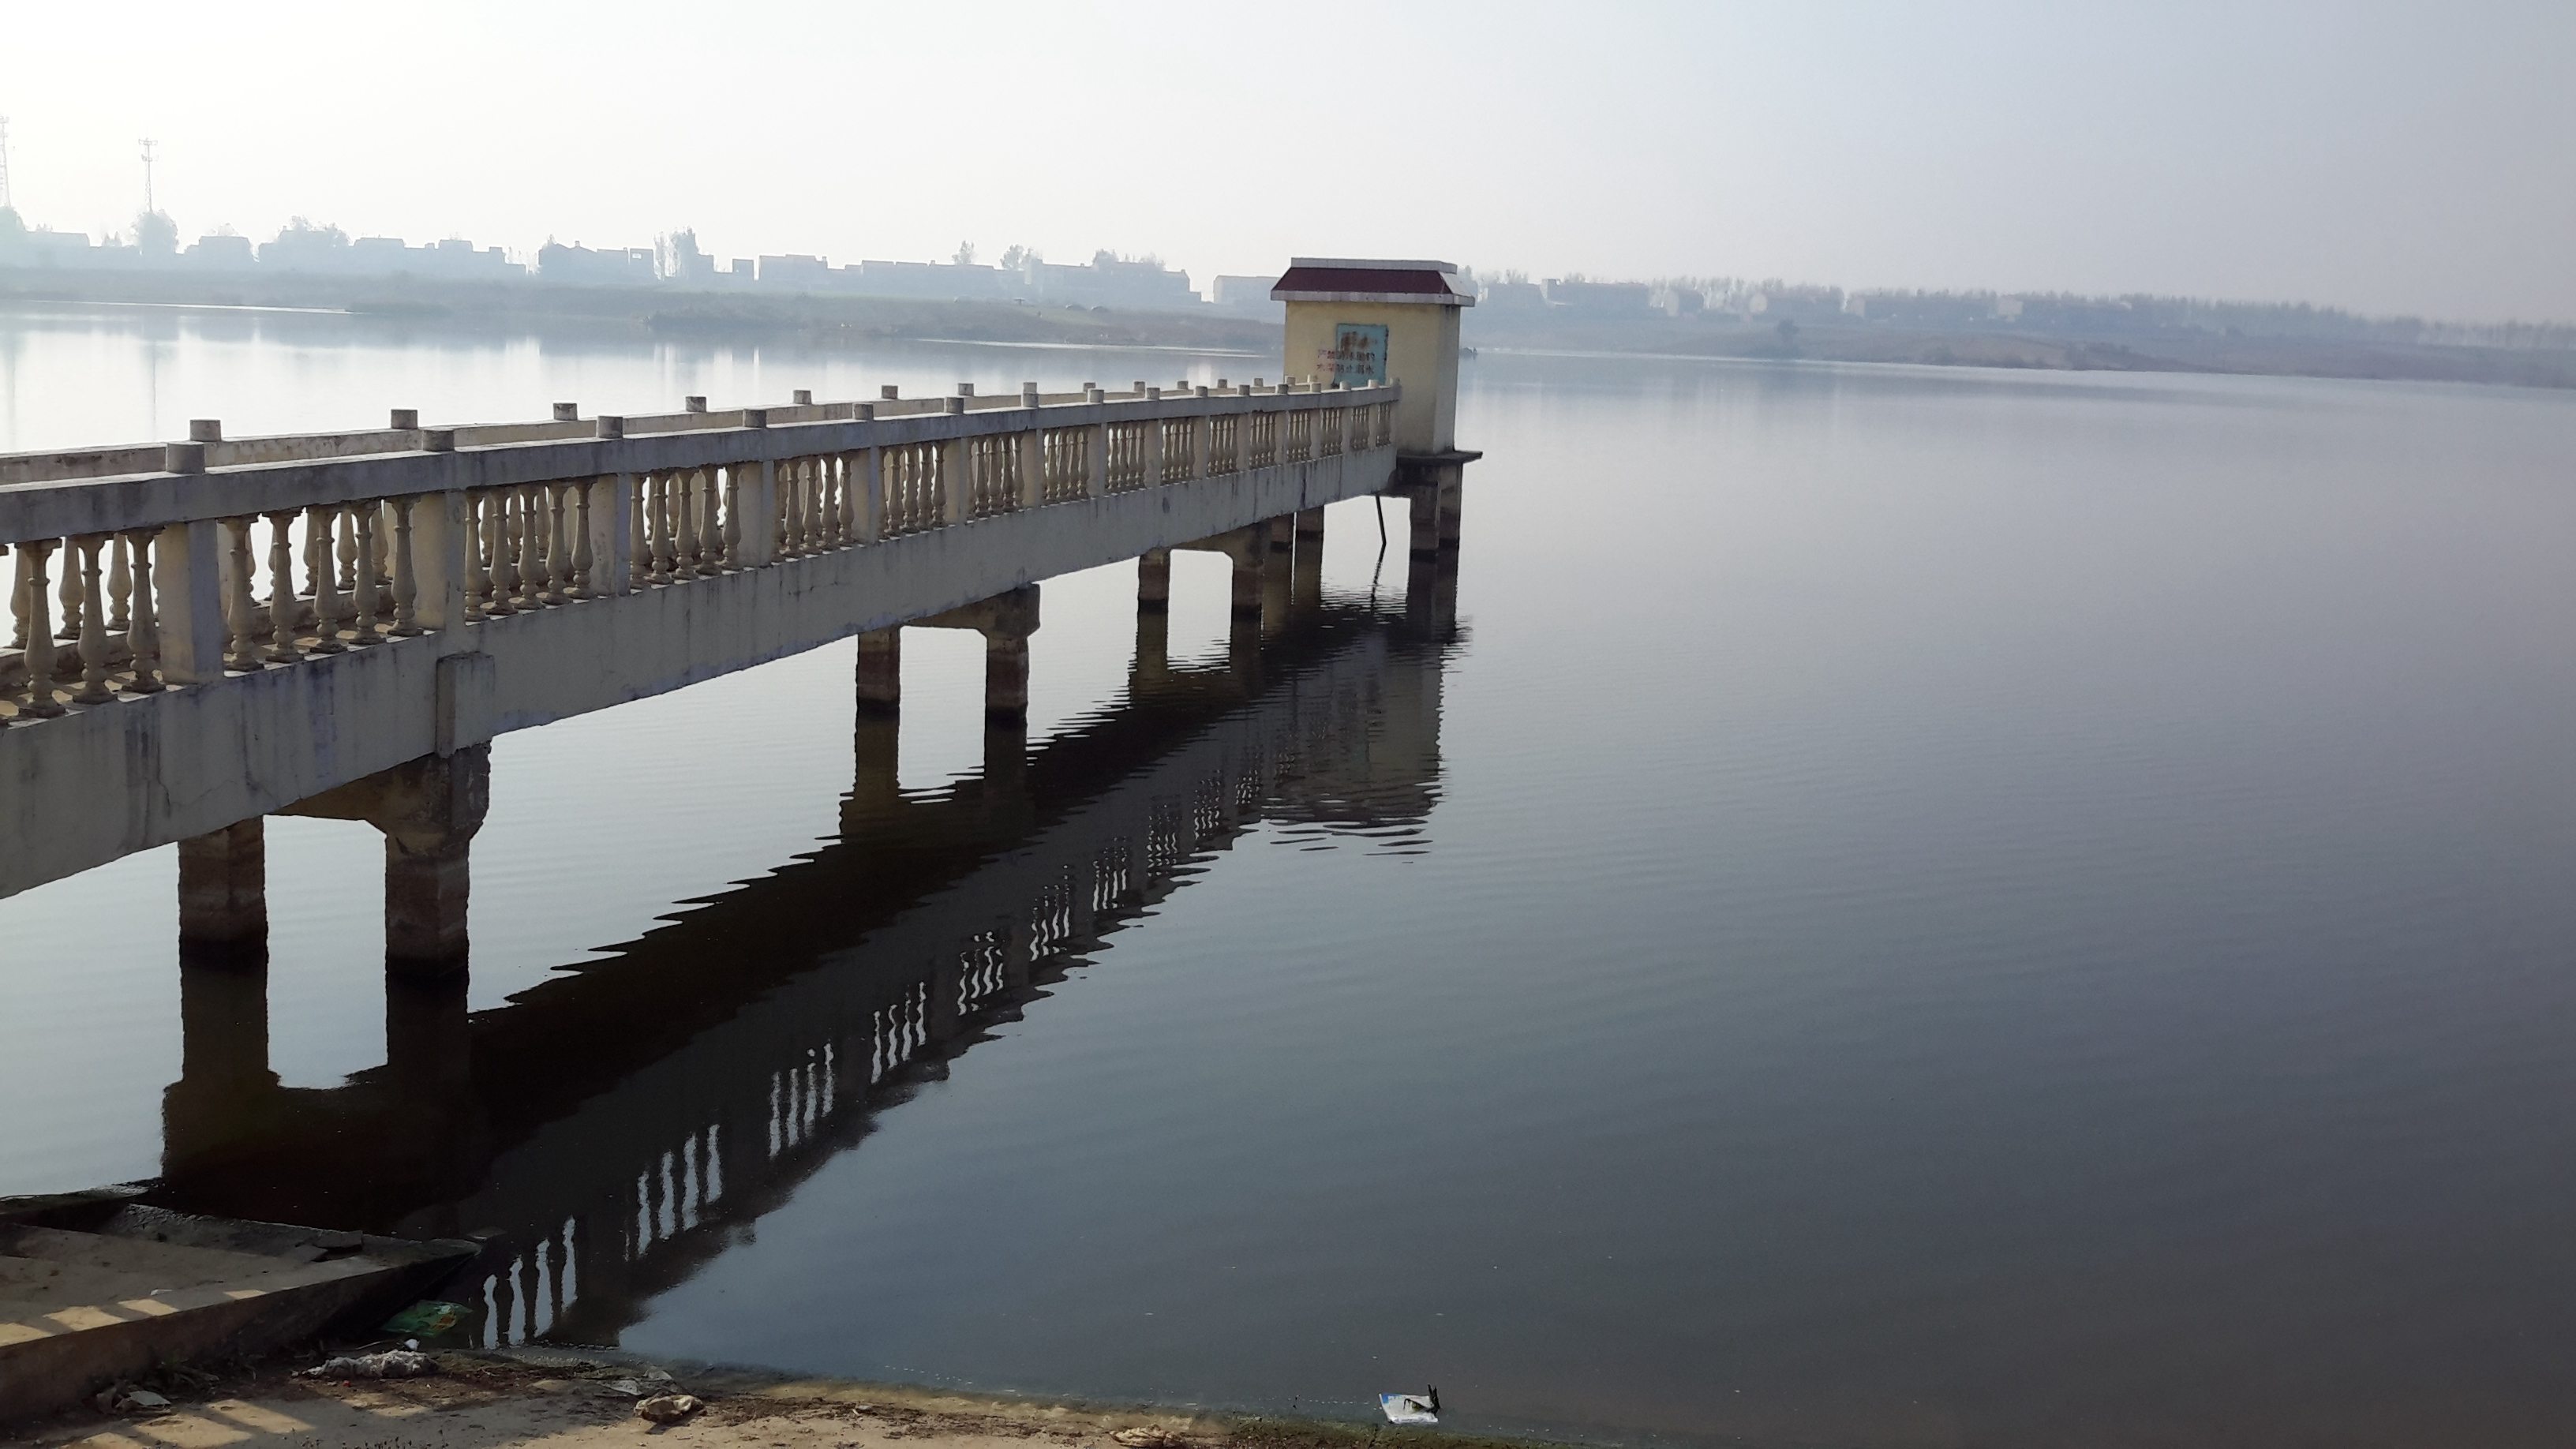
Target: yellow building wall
[1421,354]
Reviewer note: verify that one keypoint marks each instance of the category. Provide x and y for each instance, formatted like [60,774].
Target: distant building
[1601,299]
[796,271]
[220,253]
[1108,281]
[1514,296]
[1678,301]
[580,266]
[1242,294]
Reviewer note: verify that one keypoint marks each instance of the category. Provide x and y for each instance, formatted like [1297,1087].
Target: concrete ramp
[96,1290]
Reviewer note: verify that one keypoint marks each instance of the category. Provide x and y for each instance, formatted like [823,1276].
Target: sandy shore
[481,1401]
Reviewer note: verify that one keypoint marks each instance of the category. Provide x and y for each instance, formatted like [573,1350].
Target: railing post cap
[438,440]
[1153,394]
[755,417]
[889,392]
[189,457]
[406,420]
[965,389]
[863,412]
[952,405]
[205,430]
[567,412]
[804,397]
[694,402]
[1202,392]
[608,425]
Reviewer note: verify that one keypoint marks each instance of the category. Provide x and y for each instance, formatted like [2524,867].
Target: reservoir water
[1914,907]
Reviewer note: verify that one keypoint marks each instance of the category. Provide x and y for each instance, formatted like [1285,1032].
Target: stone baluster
[684,558]
[639,546]
[70,630]
[18,602]
[532,546]
[93,624]
[281,588]
[660,510]
[868,497]
[39,638]
[478,581]
[319,562]
[791,508]
[143,629]
[120,586]
[720,522]
[583,561]
[241,610]
[504,553]
[559,565]
[365,582]
[406,569]
[348,581]
[729,543]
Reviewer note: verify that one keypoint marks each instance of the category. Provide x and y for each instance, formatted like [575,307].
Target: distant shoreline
[828,319]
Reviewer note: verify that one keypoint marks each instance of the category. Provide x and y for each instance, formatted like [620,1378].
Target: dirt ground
[481,1401]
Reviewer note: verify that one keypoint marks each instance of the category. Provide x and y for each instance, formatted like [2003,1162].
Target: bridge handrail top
[59,507]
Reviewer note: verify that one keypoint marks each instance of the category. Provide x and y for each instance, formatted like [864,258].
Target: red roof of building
[1428,282]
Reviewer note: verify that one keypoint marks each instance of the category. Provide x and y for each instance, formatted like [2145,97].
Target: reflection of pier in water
[604,1128]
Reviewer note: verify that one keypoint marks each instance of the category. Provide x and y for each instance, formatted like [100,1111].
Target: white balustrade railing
[136,569]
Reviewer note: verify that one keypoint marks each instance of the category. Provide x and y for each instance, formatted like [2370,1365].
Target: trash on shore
[1149,1436]
[395,1363]
[668,1408]
[426,1319]
[1421,1408]
[127,1399]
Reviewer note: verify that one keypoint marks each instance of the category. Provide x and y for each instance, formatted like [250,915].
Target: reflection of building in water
[606,1125]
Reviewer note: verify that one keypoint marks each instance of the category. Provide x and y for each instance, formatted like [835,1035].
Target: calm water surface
[1913,908]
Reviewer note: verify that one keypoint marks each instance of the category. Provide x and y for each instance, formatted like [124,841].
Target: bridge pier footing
[1435,484]
[431,814]
[428,810]
[1006,621]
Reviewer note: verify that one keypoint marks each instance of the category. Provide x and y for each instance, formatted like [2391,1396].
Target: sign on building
[1357,356]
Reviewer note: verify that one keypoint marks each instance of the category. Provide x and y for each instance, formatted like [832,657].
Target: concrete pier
[223,891]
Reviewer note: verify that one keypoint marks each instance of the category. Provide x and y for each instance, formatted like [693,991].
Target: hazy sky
[2386,157]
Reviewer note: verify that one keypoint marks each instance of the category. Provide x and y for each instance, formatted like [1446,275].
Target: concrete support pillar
[880,679]
[1251,564]
[1452,491]
[1006,676]
[429,811]
[1154,581]
[1275,575]
[223,893]
[1310,525]
[1426,520]
[1306,590]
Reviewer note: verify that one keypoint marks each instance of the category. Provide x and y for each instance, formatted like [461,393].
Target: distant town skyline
[2387,159]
